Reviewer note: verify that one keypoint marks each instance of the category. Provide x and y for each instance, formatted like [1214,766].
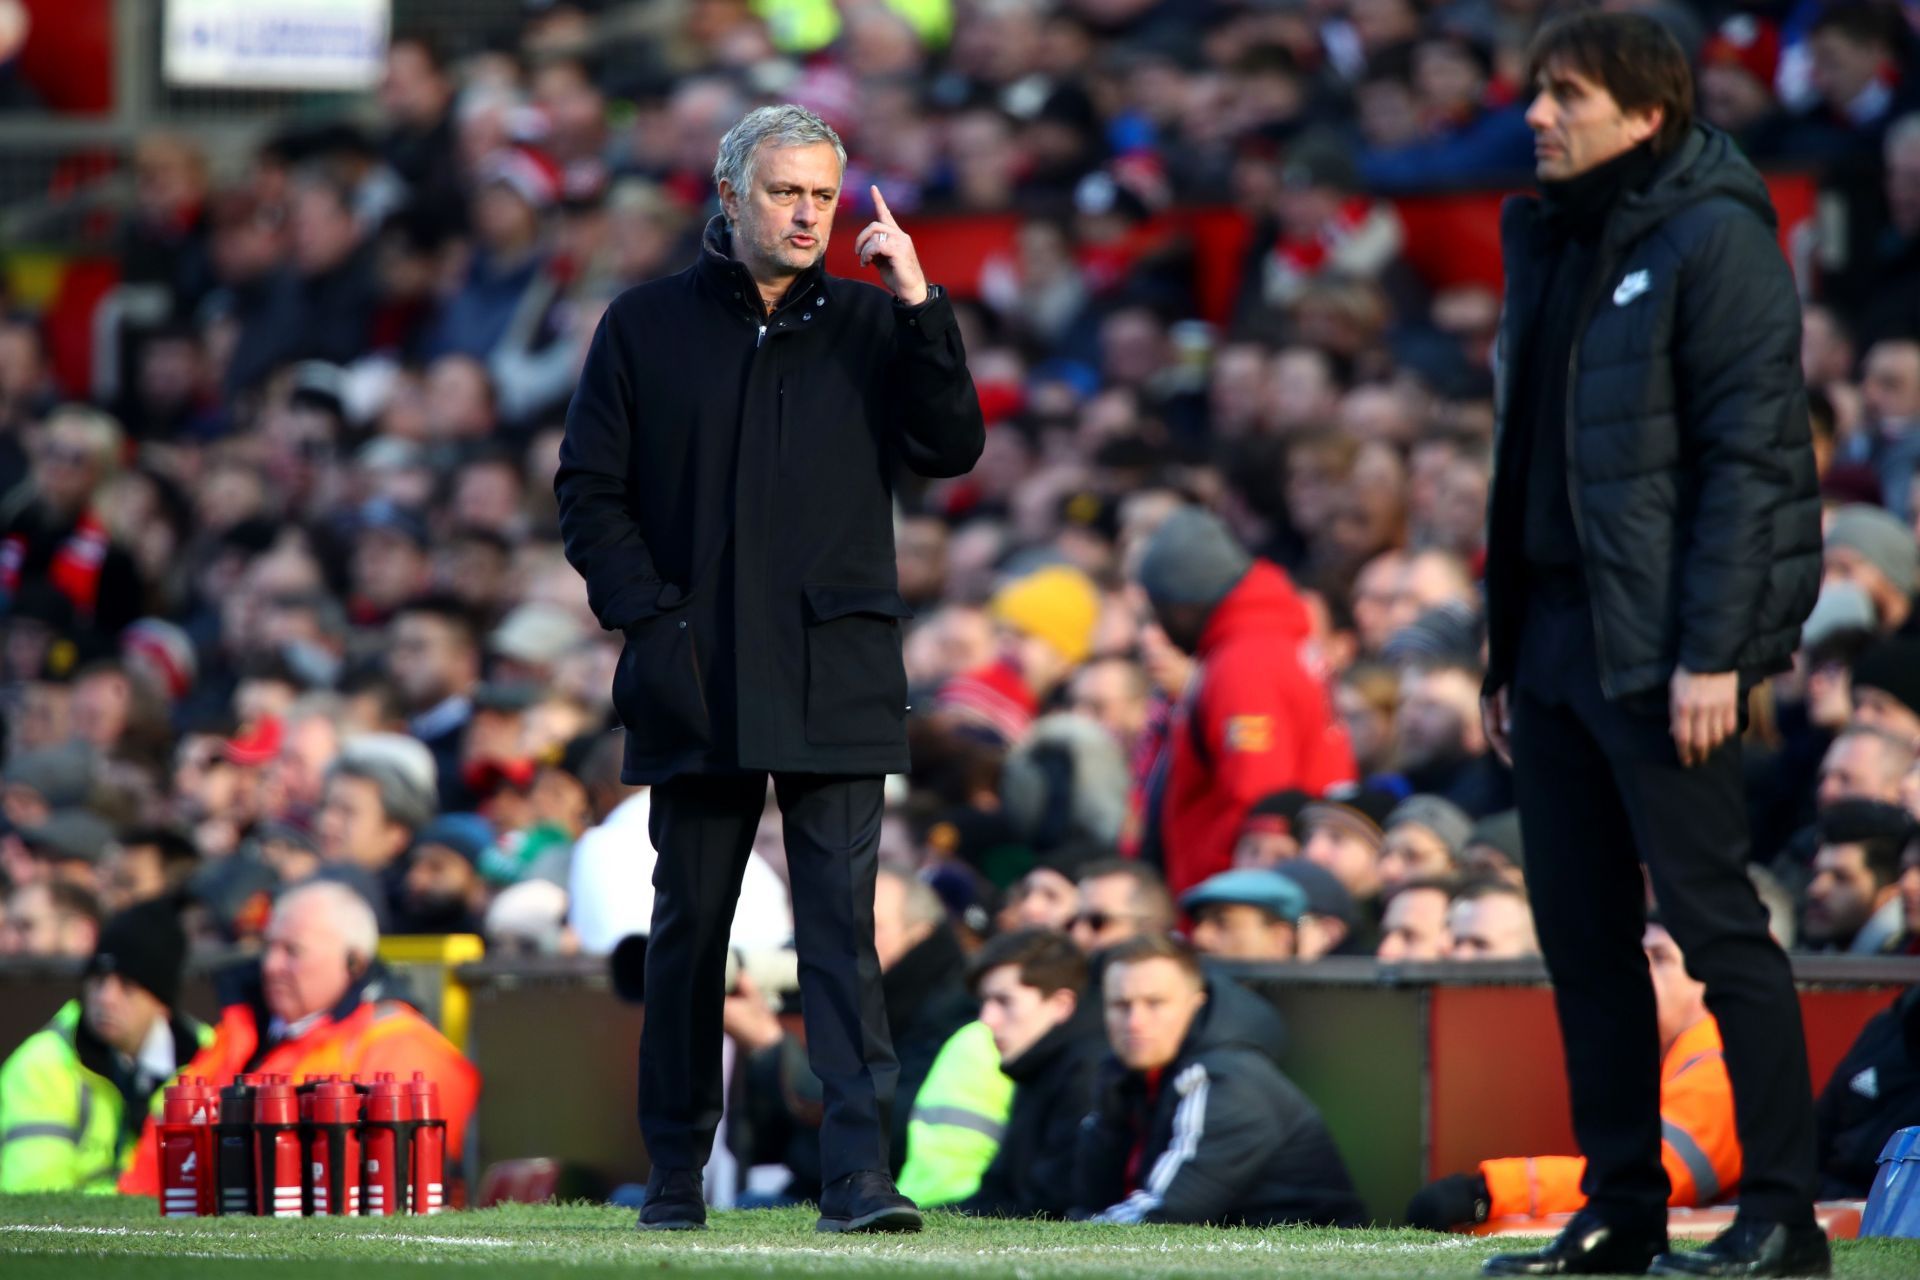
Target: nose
[1540,113]
[805,211]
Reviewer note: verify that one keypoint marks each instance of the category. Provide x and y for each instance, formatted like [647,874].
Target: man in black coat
[1654,546]
[1193,1121]
[725,488]
[1030,985]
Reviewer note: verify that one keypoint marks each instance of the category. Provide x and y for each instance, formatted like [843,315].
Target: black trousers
[1601,794]
[703,826]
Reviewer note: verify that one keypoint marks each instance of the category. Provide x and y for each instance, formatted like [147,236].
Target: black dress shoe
[866,1202]
[1588,1246]
[1754,1247]
[675,1202]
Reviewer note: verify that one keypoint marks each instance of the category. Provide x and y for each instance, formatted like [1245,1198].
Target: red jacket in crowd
[1254,722]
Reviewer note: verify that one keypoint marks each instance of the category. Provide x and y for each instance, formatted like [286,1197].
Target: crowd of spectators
[289,603]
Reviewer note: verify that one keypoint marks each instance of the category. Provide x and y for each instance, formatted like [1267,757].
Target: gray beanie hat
[1439,815]
[1886,543]
[1192,558]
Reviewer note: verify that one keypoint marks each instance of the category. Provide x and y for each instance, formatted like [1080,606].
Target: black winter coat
[1226,1139]
[1872,1094]
[1032,1174]
[1690,467]
[726,487]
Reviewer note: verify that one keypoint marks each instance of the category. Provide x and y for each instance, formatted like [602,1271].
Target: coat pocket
[856,685]
[657,689]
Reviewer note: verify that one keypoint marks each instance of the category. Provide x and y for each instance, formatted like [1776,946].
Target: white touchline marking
[479,1242]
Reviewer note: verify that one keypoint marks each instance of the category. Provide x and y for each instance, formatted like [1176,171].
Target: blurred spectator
[1368,699]
[1252,1150]
[1871,1095]
[1864,764]
[146,864]
[1119,900]
[374,802]
[1245,915]
[1857,52]
[51,529]
[443,889]
[434,659]
[1044,624]
[1494,849]
[320,998]
[1737,67]
[1425,837]
[1346,838]
[1260,723]
[1853,903]
[1890,406]
[1491,920]
[1414,925]
[1462,139]
[518,187]
[1113,692]
[1033,999]
[71,1093]
[51,918]
[1331,923]
[1890,310]
[1442,747]
[1884,686]
[1699,1146]
[1270,834]
[319,304]
[416,99]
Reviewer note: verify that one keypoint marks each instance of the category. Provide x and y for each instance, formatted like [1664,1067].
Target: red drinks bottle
[333,1149]
[276,1128]
[429,1146]
[186,1131]
[385,1135]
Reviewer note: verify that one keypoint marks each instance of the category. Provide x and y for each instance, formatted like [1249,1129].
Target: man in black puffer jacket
[1654,545]
[1192,1119]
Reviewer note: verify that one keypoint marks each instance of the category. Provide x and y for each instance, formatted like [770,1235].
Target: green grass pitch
[93,1238]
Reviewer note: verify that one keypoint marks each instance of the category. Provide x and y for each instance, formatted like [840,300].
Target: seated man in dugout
[1193,1120]
[1699,1146]
[319,1002]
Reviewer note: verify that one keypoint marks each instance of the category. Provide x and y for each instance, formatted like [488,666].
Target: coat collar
[726,274]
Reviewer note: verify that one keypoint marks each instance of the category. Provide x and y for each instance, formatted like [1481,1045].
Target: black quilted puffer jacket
[1690,466]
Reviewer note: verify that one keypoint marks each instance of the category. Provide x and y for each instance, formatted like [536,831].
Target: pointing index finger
[880,207]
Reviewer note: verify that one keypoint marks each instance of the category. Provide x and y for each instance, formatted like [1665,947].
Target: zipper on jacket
[762,338]
[1589,303]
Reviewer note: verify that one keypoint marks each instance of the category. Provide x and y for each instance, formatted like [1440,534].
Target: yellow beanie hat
[1057,604]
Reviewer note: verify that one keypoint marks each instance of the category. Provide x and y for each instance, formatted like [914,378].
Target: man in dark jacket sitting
[1193,1121]
[1029,985]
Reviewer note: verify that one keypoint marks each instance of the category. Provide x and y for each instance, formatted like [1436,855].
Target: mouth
[803,241]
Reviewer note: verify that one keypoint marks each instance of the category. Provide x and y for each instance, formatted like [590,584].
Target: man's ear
[1642,125]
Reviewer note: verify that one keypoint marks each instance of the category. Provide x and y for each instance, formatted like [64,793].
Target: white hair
[783,126]
[345,909]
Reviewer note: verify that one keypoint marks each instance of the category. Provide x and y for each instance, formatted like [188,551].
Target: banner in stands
[277,44]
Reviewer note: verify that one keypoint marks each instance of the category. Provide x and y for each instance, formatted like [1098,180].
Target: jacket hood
[1236,1018]
[1263,602]
[1708,164]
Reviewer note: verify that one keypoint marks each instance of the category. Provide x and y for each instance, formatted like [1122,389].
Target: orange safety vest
[1698,1142]
[382,1035]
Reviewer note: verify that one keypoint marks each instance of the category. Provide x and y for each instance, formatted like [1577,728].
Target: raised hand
[889,250]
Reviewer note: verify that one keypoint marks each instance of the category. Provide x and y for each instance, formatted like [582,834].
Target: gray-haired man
[726,490]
